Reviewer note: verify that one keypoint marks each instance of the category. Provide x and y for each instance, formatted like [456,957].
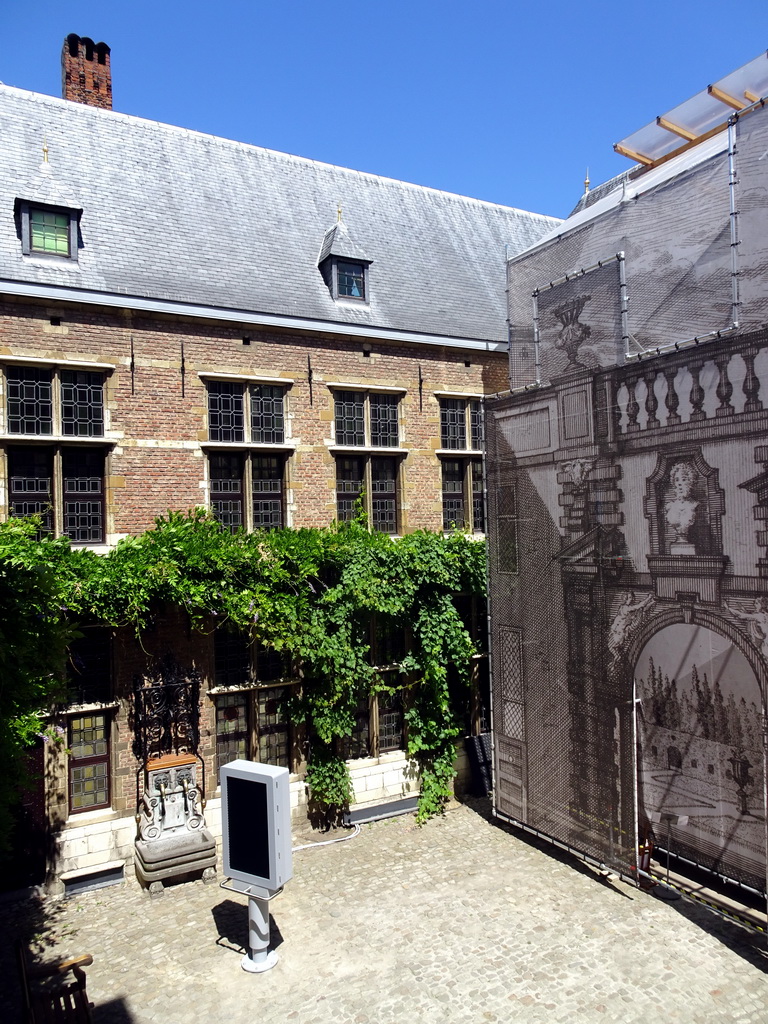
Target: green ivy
[309,593]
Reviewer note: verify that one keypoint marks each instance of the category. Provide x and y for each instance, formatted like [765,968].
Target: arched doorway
[700,750]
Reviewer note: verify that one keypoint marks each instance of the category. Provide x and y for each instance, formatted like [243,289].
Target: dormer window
[48,230]
[344,265]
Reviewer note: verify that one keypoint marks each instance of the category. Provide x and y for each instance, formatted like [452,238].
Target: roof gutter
[89,298]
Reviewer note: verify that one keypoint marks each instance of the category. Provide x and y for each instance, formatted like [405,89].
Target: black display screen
[248,827]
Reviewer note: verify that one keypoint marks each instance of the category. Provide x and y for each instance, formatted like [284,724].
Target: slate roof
[176,215]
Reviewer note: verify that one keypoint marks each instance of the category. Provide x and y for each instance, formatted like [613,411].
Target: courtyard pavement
[463,920]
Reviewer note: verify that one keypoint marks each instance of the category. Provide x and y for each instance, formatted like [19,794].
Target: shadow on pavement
[113,1012]
[231,920]
[749,945]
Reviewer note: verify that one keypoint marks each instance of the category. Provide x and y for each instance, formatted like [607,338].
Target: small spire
[45,150]
[338,214]
[586,183]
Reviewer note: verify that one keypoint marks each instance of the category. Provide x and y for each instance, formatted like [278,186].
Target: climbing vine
[311,594]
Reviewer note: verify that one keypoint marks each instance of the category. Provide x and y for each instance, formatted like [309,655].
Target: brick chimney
[86,76]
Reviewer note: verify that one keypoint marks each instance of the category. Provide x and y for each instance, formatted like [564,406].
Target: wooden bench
[54,992]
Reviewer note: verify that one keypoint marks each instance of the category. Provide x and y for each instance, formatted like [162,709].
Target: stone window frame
[59,437]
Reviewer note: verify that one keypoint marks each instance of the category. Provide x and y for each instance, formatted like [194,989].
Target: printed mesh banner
[628,553]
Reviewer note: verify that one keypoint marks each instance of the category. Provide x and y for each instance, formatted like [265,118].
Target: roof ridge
[370,175]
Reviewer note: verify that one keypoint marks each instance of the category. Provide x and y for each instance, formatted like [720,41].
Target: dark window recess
[232,732]
[390,722]
[453,423]
[274,742]
[231,658]
[388,647]
[453,494]
[30,472]
[82,404]
[384,495]
[88,762]
[225,412]
[226,469]
[358,743]
[30,401]
[83,478]
[351,278]
[384,426]
[350,474]
[350,417]
[267,475]
[89,667]
[270,665]
[267,415]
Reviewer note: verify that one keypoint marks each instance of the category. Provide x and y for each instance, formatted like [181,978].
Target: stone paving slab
[463,920]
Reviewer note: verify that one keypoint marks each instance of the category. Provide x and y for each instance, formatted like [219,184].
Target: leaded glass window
[30,400]
[476,425]
[82,404]
[453,423]
[83,479]
[358,743]
[232,734]
[453,494]
[478,496]
[226,472]
[89,667]
[48,231]
[88,762]
[267,415]
[267,476]
[384,495]
[390,722]
[226,420]
[274,745]
[350,417]
[30,472]
[350,473]
[231,658]
[384,425]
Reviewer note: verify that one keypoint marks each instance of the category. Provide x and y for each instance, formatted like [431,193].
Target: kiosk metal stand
[260,957]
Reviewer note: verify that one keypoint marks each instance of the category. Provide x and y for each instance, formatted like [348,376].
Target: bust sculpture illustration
[680,508]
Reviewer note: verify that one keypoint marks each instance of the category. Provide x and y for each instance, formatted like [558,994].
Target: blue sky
[505,101]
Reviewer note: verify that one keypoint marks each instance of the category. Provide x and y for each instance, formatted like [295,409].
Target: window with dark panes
[350,417]
[270,664]
[350,473]
[384,495]
[232,733]
[82,403]
[226,473]
[390,722]
[478,496]
[30,400]
[267,483]
[83,480]
[476,425]
[358,743]
[351,280]
[231,658]
[267,415]
[88,762]
[453,493]
[89,667]
[30,472]
[453,423]
[48,231]
[226,421]
[384,421]
[274,744]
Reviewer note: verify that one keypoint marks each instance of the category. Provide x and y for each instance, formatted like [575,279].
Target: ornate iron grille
[30,401]
[384,427]
[82,404]
[267,418]
[166,711]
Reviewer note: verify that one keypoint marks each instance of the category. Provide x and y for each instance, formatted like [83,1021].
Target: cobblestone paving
[460,921]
